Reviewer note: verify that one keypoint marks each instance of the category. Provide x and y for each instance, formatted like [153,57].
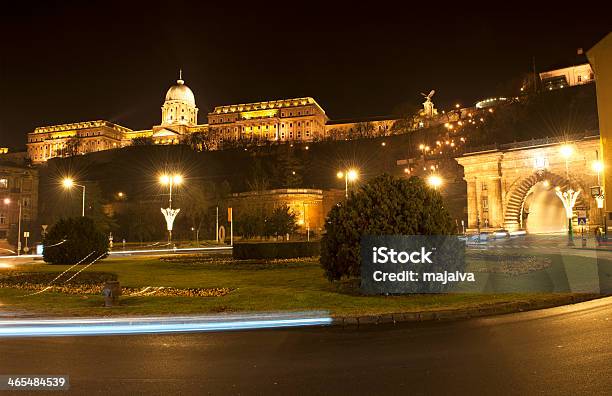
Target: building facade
[576,72]
[310,206]
[299,119]
[18,193]
[505,185]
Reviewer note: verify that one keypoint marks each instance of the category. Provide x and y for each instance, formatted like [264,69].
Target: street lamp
[568,197]
[598,167]
[7,201]
[68,183]
[169,213]
[348,175]
[435,181]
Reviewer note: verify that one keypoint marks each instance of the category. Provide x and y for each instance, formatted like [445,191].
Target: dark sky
[65,61]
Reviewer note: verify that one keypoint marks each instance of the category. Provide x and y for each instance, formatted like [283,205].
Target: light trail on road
[122,252]
[158,325]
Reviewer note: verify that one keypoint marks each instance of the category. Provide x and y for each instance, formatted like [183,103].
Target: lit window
[3,183]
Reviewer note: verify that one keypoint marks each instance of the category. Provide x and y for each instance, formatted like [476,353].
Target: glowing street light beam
[348,175]
[435,181]
[68,183]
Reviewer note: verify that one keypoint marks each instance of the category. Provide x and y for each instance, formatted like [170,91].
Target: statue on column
[429,111]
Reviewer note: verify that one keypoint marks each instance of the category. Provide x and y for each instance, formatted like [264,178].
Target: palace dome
[181,92]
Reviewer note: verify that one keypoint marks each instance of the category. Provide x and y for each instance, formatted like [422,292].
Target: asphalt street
[563,350]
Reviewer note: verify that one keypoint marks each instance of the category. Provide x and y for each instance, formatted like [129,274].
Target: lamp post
[598,167]
[569,196]
[169,213]
[7,201]
[348,175]
[68,183]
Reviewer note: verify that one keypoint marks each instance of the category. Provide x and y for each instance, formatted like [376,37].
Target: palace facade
[286,120]
[300,119]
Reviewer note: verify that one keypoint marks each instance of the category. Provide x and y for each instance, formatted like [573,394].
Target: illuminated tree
[385,205]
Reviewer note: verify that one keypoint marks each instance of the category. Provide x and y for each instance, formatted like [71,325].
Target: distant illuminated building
[285,120]
[578,72]
[300,119]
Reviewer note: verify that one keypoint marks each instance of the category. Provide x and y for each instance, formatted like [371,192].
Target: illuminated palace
[300,119]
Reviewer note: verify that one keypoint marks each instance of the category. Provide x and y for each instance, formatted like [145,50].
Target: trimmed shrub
[73,239]
[272,250]
[386,205]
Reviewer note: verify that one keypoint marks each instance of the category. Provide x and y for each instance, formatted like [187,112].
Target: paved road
[564,350]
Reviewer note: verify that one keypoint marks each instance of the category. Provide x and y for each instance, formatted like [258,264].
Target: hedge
[276,250]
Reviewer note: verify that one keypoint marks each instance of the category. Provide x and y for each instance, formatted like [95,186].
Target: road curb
[460,314]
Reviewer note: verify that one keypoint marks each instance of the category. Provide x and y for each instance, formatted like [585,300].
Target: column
[496,216]
[472,203]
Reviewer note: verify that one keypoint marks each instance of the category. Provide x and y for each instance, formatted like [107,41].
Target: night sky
[73,62]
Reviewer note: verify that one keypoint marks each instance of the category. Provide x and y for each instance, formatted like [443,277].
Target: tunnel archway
[534,196]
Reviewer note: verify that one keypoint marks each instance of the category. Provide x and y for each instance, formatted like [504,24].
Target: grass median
[291,285]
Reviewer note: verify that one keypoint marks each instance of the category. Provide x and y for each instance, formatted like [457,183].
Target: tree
[142,141]
[96,207]
[138,224]
[406,118]
[72,147]
[74,239]
[363,129]
[290,168]
[259,180]
[195,201]
[249,224]
[386,205]
[280,222]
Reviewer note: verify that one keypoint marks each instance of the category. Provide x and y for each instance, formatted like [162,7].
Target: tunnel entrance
[543,211]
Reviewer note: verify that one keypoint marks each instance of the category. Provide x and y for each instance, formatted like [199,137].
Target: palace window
[485,204]
[2,218]
[484,186]
[4,183]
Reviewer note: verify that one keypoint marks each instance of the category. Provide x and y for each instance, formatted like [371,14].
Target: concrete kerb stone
[459,314]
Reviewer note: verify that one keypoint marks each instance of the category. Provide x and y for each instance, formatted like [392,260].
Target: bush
[73,239]
[280,250]
[384,206]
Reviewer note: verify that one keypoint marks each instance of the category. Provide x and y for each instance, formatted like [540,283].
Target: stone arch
[516,197]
